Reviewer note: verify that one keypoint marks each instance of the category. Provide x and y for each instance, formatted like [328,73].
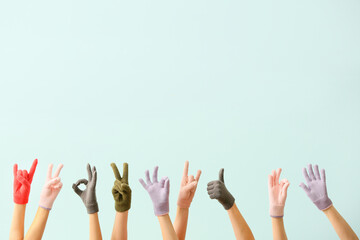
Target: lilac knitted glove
[316,187]
[158,191]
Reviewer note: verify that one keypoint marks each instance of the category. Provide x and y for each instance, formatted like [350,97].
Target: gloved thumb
[221,175]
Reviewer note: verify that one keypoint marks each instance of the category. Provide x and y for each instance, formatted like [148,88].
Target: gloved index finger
[76,188]
[126,172]
[81,181]
[311,172]
[95,176]
[221,175]
[49,172]
[305,173]
[32,169]
[116,171]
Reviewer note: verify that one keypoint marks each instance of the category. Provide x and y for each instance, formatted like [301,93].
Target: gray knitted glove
[88,196]
[217,190]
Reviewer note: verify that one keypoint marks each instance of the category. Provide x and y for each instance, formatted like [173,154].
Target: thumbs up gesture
[217,190]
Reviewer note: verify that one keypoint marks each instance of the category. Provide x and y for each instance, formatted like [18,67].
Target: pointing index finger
[32,170]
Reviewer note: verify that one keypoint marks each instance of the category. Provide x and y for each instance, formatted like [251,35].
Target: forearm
[180,223]
[120,226]
[278,228]
[342,228]
[95,231]
[167,229]
[241,228]
[37,227]
[17,223]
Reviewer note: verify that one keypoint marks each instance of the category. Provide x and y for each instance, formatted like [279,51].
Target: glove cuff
[182,204]
[121,207]
[323,203]
[161,209]
[228,203]
[94,208]
[45,205]
[46,208]
[21,201]
[276,211]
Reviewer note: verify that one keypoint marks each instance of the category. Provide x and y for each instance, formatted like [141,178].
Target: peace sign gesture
[121,190]
[22,183]
[187,187]
[51,188]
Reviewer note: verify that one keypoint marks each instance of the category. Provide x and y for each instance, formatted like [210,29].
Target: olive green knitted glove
[121,190]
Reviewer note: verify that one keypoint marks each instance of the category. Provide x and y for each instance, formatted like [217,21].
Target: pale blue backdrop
[245,85]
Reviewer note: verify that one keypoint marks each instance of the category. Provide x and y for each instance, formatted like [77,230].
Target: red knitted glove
[22,182]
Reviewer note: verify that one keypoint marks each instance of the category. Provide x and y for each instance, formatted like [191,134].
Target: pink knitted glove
[187,187]
[51,188]
[277,194]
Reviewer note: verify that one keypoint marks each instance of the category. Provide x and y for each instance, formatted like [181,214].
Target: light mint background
[245,85]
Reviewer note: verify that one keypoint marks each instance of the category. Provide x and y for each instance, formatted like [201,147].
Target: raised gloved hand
[187,187]
[22,183]
[277,194]
[51,188]
[88,196]
[158,191]
[217,190]
[121,190]
[316,187]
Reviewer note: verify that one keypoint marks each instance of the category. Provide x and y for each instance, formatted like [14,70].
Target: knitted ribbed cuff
[228,203]
[92,208]
[45,207]
[276,211]
[323,203]
[122,207]
[161,209]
